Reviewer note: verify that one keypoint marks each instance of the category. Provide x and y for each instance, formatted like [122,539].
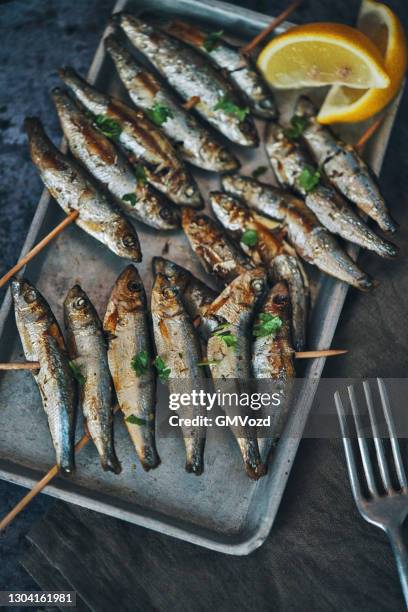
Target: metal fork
[385,510]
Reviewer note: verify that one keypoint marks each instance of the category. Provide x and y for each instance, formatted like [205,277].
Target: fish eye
[266,103]
[169,292]
[128,241]
[166,213]
[189,191]
[223,155]
[133,286]
[258,285]
[30,296]
[79,303]
[281,299]
[200,221]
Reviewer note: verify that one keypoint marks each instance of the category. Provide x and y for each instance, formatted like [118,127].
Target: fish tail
[194,455]
[254,466]
[110,463]
[150,459]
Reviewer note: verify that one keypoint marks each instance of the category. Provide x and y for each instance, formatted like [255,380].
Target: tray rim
[287,448]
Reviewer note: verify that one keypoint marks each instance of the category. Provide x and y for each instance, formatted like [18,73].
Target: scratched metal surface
[222,509]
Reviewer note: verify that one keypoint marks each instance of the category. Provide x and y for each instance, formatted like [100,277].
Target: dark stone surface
[320,555]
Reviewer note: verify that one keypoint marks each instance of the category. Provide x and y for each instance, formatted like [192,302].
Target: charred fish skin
[286,268]
[146,144]
[106,163]
[191,75]
[230,359]
[196,295]
[43,341]
[87,347]
[193,141]
[344,167]
[178,346]
[289,159]
[130,357]
[228,58]
[217,253]
[73,189]
[310,240]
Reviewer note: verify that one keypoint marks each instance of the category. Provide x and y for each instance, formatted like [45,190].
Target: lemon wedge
[382,26]
[322,54]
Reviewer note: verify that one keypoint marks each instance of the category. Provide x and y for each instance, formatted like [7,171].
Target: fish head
[28,301]
[230,212]
[124,239]
[177,274]
[128,293]
[277,302]
[166,301]
[198,227]
[221,158]
[240,297]
[79,311]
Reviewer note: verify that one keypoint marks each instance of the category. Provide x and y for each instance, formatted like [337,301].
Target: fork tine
[399,466]
[362,443]
[348,448]
[378,443]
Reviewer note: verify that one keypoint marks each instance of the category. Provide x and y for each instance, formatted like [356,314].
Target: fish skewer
[130,128]
[229,354]
[130,357]
[43,342]
[344,167]
[217,253]
[228,58]
[267,250]
[73,189]
[192,140]
[87,347]
[290,161]
[108,165]
[179,351]
[311,241]
[191,74]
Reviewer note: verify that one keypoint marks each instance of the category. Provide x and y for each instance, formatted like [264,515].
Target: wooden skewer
[270,28]
[367,134]
[39,247]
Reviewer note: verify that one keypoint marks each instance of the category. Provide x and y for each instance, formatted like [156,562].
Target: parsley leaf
[228,106]
[134,420]
[249,237]
[212,40]
[131,198]
[267,325]
[140,174]
[309,179]
[77,373]
[159,113]
[109,127]
[259,171]
[299,124]
[163,371]
[140,362]
[222,331]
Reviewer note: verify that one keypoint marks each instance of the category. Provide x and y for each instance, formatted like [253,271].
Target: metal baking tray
[221,510]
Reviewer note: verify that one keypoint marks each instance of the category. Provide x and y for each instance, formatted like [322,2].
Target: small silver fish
[228,58]
[191,75]
[229,355]
[74,189]
[344,167]
[108,165]
[130,357]
[151,151]
[43,341]
[290,160]
[311,241]
[194,142]
[178,348]
[87,348]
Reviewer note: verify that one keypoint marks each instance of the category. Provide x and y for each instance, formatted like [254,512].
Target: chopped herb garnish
[159,113]
[163,371]
[228,106]
[309,179]
[259,171]
[109,127]
[267,325]
[134,420]
[212,40]
[249,237]
[299,124]
[140,174]
[131,198]
[77,373]
[140,363]
[222,331]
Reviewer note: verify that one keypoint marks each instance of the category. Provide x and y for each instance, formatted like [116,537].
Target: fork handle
[401,556]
